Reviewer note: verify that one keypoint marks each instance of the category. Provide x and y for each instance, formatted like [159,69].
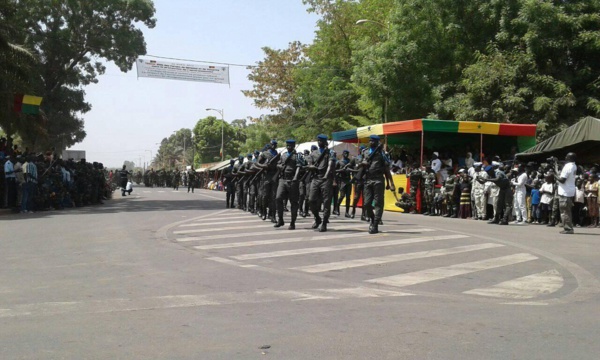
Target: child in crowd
[535,203]
[547,192]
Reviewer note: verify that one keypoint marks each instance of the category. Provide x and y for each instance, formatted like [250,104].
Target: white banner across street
[181,71]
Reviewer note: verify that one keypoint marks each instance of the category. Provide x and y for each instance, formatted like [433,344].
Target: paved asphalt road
[170,275]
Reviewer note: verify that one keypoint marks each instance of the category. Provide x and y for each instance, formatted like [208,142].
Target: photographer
[566,191]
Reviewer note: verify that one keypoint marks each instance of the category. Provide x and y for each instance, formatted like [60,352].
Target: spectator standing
[520,194]
[31,179]
[535,203]
[10,180]
[566,192]
[547,192]
[591,194]
[579,203]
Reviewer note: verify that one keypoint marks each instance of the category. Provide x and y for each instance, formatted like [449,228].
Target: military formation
[172,179]
[265,182]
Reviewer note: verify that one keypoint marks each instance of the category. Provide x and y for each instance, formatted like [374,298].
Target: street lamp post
[222,127]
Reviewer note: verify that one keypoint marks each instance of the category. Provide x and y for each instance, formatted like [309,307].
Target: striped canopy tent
[487,136]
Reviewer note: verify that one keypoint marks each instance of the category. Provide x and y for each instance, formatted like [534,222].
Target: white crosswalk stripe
[339,265]
[291,240]
[344,247]
[428,275]
[218,223]
[527,287]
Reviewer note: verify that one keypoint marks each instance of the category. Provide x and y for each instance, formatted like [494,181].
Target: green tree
[70,38]
[208,133]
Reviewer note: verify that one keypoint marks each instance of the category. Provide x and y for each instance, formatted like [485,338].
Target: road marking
[230,262]
[249,234]
[219,223]
[340,265]
[427,275]
[526,287]
[291,240]
[187,301]
[223,229]
[344,247]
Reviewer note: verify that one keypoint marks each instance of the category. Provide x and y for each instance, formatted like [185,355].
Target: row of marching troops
[310,181]
[172,179]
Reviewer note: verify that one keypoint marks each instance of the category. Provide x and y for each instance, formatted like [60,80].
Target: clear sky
[130,115]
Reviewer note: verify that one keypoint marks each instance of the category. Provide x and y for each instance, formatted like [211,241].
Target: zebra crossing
[402,257]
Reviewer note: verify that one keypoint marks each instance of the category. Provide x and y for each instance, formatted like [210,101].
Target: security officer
[191,176]
[416,179]
[269,184]
[302,188]
[238,170]
[289,166]
[227,179]
[377,167]
[251,169]
[245,171]
[429,190]
[322,164]
[359,182]
[344,180]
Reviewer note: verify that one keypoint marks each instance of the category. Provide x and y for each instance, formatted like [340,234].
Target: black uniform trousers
[230,197]
[358,191]
[373,198]
[320,190]
[269,194]
[345,190]
[239,191]
[287,190]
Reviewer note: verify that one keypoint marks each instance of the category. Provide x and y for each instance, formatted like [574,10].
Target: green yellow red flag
[27,104]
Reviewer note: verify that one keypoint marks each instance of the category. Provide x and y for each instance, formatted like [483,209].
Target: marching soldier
[238,171]
[289,167]
[344,180]
[359,183]
[227,179]
[269,185]
[322,164]
[252,191]
[377,169]
[191,176]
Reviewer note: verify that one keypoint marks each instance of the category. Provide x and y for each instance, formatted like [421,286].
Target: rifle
[274,158]
[316,164]
[363,169]
[285,164]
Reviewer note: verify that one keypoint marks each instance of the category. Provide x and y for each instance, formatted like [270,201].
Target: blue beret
[322,137]
[345,152]
[374,137]
[313,147]
[362,147]
[290,141]
[256,152]
[274,142]
[249,155]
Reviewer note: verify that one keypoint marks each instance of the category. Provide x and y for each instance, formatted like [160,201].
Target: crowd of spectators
[35,182]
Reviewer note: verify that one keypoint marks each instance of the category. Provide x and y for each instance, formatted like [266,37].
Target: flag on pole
[27,104]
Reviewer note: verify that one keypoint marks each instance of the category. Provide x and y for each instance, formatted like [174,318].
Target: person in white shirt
[519,203]
[547,192]
[478,191]
[436,166]
[566,191]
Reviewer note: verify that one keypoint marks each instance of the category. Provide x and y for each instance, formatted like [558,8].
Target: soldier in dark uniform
[238,171]
[289,166]
[269,185]
[416,180]
[251,169]
[344,181]
[245,182]
[191,176]
[335,188]
[322,164]
[123,174]
[259,183]
[377,167]
[359,183]
[303,198]
[227,179]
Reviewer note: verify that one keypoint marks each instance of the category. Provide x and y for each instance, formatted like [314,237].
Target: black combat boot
[317,222]
[323,227]
[353,213]
[373,228]
[280,223]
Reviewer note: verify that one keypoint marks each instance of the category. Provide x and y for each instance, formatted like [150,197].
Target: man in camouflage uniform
[429,185]
[416,179]
[191,176]
[449,188]
[289,166]
[322,164]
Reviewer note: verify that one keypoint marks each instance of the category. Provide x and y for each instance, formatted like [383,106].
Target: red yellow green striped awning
[427,125]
